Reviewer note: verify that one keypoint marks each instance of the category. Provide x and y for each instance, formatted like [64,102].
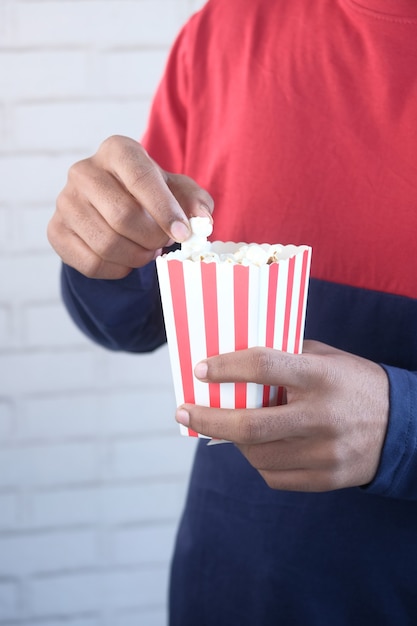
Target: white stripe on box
[298,264]
[165,289]
[256,327]
[225,305]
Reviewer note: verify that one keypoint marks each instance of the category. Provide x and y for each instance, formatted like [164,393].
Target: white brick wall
[92,470]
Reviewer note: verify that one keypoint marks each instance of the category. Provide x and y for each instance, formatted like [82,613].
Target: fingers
[259,365]
[247,426]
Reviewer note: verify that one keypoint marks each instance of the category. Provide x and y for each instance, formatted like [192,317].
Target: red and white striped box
[216,307]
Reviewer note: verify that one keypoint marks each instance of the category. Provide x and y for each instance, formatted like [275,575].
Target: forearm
[120,314]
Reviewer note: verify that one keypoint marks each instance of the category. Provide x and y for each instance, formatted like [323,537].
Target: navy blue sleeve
[397,473]
[120,314]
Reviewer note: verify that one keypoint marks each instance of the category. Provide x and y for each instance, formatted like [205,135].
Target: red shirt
[302,137]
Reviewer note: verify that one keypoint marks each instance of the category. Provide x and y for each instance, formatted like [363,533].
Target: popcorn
[198,248]
[201,228]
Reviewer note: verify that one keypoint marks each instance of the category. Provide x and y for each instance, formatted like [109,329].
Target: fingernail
[179,231]
[205,210]
[183,417]
[200,370]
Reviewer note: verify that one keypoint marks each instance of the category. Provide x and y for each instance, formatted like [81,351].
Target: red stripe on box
[241,316]
[211,321]
[179,305]
[287,318]
[271,304]
[270,319]
[301,299]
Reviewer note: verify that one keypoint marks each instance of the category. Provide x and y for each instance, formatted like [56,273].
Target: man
[299,119]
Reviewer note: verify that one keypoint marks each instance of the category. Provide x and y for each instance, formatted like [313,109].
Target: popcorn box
[220,306]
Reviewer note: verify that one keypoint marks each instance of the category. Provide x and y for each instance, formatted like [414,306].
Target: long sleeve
[118,314]
[397,473]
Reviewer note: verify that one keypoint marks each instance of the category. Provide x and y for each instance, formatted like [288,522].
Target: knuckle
[106,245]
[335,459]
[78,170]
[249,428]
[112,144]
[328,481]
[273,479]
[120,216]
[263,363]
[52,233]
[90,266]
[125,152]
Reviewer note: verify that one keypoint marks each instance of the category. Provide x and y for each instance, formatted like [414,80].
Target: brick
[87,23]
[30,229]
[25,554]
[152,371]
[8,600]
[150,617]
[49,326]
[40,372]
[66,621]
[118,504]
[6,329]
[8,511]
[195,5]
[77,125]
[6,418]
[34,179]
[64,507]
[24,277]
[144,503]
[49,465]
[4,228]
[43,74]
[3,22]
[142,410]
[137,587]
[70,593]
[80,411]
[58,417]
[131,72]
[153,457]
[144,544]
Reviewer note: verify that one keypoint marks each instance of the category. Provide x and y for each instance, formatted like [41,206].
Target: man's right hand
[119,208]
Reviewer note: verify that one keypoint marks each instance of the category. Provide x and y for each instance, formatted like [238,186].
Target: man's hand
[330,433]
[119,208]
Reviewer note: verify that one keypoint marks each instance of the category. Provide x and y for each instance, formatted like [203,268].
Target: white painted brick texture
[93,472]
